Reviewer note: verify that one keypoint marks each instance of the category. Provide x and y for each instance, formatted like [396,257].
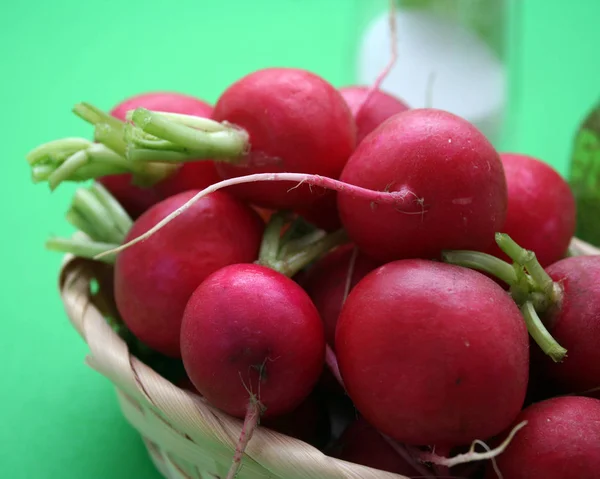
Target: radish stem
[227,144]
[482,262]
[82,248]
[540,334]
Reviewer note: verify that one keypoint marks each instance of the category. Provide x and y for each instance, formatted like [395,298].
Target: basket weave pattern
[184,435]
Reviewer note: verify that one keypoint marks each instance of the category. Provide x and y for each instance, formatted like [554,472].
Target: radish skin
[432,353]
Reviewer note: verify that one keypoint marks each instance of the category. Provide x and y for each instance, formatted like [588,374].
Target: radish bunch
[297,234]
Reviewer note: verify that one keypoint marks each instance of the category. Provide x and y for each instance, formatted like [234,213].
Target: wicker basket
[184,435]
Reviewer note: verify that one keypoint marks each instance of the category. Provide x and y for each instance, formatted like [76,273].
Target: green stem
[76,159]
[269,248]
[95,116]
[204,124]
[229,143]
[482,262]
[80,223]
[112,137]
[294,263]
[88,206]
[540,334]
[541,280]
[113,209]
[81,247]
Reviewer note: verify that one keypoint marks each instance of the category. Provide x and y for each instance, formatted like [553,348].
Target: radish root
[471,456]
[250,423]
[395,198]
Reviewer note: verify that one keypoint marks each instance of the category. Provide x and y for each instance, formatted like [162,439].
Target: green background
[59,418]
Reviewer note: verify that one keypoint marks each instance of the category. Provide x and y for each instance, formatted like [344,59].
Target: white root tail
[472,456]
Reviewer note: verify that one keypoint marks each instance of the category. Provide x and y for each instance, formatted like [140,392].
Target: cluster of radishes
[295,233]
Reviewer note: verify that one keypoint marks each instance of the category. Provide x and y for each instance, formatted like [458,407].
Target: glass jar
[452,55]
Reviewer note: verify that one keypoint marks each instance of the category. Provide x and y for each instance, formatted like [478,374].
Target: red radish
[574,321]
[450,178]
[327,283]
[249,327]
[193,175]
[560,441]
[433,354]
[154,280]
[297,122]
[271,120]
[541,208]
[362,444]
[379,107]
[253,344]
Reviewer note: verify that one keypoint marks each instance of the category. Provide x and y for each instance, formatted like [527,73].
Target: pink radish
[449,176]
[154,281]
[329,281]
[541,208]
[271,120]
[379,107]
[252,343]
[432,353]
[561,440]
[362,444]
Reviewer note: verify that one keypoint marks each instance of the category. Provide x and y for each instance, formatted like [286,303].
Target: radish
[154,281]
[561,306]
[362,444]
[253,344]
[433,353]
[271,120]
[449,176]
[379,107]
[330,280]
[560,441]
[541,208]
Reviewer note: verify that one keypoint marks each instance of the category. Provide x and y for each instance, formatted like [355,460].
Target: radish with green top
[561,306]
[271,120]
[448,175]
[433,354]
[252,341]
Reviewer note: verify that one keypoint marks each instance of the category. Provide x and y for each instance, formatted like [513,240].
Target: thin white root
[472,456]
[493,459]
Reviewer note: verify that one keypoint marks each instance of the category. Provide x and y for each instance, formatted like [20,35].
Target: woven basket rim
[190,415]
